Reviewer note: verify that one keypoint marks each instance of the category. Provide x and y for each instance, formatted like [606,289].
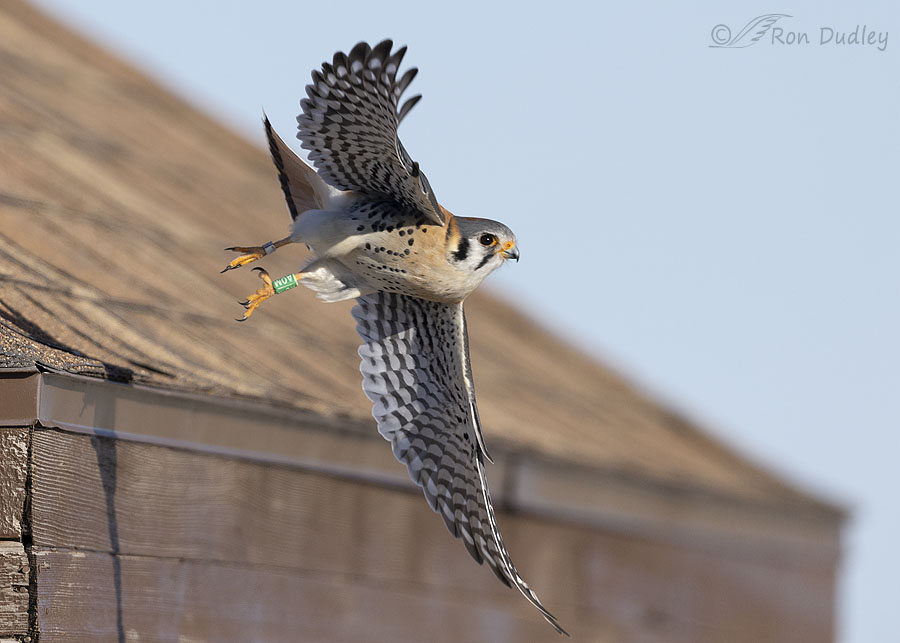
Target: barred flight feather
[349,124]
[415,368]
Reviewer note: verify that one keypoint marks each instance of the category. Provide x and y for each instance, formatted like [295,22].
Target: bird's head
[480,245]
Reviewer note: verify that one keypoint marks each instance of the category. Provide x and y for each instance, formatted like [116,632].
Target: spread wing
[303,190]
[349,124]
[415,367]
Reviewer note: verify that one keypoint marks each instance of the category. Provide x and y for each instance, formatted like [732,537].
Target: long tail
[303,188]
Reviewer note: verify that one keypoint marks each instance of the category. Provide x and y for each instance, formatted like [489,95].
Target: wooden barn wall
[136,542]
[14,566]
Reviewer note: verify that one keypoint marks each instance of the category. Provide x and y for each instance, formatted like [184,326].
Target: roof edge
[348,448]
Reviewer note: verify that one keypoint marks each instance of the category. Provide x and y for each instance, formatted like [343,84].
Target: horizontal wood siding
[154,540]
[165,599]
[13,589]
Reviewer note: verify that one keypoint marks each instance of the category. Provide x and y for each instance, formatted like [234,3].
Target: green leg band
[285,283]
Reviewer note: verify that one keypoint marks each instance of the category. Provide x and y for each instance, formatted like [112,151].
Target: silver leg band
[269,248]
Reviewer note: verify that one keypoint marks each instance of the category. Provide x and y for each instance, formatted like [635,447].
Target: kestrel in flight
[379,235]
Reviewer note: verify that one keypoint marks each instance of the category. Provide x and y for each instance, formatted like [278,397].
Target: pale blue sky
[720,224]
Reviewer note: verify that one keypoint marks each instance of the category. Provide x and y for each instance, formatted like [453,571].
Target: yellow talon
[254,300]
[251,254]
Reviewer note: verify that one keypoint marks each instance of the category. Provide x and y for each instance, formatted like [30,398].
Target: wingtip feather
[407,106]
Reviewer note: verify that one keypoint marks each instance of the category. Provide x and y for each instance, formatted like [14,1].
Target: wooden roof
[116,199]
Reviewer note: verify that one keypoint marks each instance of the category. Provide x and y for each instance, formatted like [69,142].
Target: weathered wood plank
[14,572]
[88,596]
[13,469]
[149,501]
[123,497]
[99,597]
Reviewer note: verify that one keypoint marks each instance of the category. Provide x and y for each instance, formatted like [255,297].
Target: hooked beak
[511,253]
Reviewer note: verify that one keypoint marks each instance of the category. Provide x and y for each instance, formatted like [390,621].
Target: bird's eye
[487,239]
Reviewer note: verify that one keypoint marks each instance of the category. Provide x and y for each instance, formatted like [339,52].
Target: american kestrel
[379,235]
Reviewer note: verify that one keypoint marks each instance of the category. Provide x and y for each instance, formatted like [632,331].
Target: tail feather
[303,188]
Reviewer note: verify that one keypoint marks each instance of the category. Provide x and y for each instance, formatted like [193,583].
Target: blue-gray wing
[349,124]
[415,371]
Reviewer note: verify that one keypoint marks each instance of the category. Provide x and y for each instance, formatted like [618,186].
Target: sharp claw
[242,319]
[225,269]
[246,302]
[232,248]
[258,269]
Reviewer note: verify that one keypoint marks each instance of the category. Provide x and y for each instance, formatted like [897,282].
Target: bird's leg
[252,253]
[268,289]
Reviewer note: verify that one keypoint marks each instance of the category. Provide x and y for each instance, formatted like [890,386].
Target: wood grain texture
[14,572]
[89,596]
[13,469]
[104,495]
[146,513]
[185,600]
